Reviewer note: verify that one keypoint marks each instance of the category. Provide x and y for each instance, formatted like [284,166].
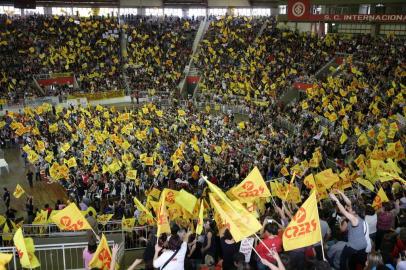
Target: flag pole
[97,236]
[321,236]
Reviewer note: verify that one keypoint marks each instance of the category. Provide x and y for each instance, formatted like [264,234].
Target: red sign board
[302,86]
[300,10]
[57,81]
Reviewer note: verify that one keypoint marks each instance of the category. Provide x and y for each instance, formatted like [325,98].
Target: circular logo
[300,215]
[298,9]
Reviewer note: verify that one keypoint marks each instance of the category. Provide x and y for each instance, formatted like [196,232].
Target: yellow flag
[365,183]
[149,161]
[41,217]
[65,147]
[379,199]
[241,125]
[362,140]
[252,187]
[155,193]
[102,257]
[200,221]
[126,145]
[309,182]
[343,138]
[18,192]
[207,158]
[5,258]
[181,113]
[103,219]
[186,200]
[132,174]
[142,208]
[127,224]
[53,128]
[304,229]
[114,166]
[162,219]
[29,243]
[159,113]
[327,178]
[239,221]
[32,157]
[71,219]
[284,171]
[25,250]
[72,162]
[40,146]
[2,220]
[168,195]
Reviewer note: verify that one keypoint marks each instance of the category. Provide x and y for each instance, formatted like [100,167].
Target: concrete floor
[42,192]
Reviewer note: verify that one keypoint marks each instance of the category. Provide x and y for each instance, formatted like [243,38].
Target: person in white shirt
[168,260]
[371,219]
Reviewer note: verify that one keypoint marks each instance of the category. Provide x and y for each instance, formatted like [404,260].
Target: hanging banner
[300,10]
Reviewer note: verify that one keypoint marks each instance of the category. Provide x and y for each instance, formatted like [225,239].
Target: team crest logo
[298,9]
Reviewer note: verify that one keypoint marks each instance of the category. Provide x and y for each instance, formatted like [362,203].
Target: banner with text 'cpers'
[300,10]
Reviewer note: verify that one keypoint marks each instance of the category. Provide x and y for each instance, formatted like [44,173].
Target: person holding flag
[271,240]
[357,232]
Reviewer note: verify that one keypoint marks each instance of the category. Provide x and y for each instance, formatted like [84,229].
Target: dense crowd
[92,49]
[158,51]
[350,122]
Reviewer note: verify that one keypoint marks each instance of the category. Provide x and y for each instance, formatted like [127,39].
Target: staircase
[261,31]
[36,85]
[289,96]
[189,69]
[124,57]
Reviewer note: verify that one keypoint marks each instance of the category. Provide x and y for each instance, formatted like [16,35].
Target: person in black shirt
[11,213]
[30,177]
[229,248]
[149,251]
[194,253]
[30,210]
[209,244]
[6,197]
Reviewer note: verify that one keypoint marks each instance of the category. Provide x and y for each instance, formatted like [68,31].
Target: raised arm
[114,252]
[353,219]
[271,266]
[345,198]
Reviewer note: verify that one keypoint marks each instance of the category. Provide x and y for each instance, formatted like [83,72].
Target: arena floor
[42,192]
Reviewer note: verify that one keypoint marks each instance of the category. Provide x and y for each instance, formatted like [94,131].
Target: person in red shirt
[272,241]
[400,245]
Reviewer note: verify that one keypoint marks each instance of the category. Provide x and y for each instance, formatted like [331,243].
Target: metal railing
[62,256]
[133,239]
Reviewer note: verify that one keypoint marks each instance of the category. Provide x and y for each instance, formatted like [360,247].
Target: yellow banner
[304,229]
[98,95]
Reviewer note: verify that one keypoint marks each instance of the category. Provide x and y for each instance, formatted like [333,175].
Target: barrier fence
[132,239]
[61,256]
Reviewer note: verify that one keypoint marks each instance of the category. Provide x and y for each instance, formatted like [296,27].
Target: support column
[141,11]
[47,11]
[375,29]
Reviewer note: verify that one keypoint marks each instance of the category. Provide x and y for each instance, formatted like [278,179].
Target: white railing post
[63,257]
[14,258]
